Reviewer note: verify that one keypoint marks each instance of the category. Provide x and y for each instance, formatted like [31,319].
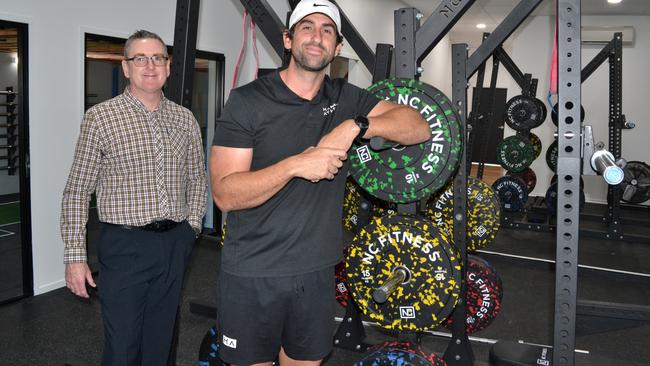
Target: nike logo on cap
[320,5]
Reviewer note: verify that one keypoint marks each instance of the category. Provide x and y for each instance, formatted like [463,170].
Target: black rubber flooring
[58,329]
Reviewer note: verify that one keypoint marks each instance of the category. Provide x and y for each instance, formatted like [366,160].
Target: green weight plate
[483,213]
[515,153]
[524,113]
[409,173]
[433,286]
[551,156]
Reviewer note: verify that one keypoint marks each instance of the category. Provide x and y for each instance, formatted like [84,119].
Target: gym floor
[58,329]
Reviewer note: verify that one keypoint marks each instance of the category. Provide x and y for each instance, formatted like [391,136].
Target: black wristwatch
[363,124]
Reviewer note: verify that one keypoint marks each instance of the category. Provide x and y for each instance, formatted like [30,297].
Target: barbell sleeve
[380,294]
[602,161]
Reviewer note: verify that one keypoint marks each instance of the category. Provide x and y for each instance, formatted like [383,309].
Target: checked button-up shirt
[144,166]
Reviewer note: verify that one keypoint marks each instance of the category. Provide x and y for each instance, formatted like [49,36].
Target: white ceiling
[492,12]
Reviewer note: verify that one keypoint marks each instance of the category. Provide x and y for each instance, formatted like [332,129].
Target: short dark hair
[142,34]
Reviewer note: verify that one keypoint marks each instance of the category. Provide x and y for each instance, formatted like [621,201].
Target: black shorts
[257,316]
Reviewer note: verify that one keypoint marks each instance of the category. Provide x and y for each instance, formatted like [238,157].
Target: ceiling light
[481,26]
[614,1]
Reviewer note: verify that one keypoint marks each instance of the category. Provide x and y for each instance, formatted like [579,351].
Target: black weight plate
[483,213]
[637,174]
[543,109]
[409,173]
[554,114]
[209,349]
[528,176]
[512,193]
[551,199]
[434,271]
[483,295]
[524,113]
[551,156]
[515,153]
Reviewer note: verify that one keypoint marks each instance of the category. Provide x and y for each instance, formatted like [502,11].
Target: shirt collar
[287,95]
[137,103]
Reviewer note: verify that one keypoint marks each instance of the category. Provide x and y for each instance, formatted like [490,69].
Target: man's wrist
[363,124]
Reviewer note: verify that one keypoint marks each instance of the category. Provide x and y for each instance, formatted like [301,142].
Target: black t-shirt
[298,230]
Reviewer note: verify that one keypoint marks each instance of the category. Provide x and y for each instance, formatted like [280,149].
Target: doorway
[16,275]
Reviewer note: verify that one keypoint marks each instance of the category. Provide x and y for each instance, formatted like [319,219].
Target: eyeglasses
[141,60]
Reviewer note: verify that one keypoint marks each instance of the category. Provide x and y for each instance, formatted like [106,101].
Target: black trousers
[140,279]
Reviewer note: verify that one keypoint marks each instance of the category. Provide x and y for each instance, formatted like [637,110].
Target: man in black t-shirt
[278,168]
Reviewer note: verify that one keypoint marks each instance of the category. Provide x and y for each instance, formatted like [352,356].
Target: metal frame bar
[616,121]
[181,80]
[406,26]
[357,42]
[500,34]
[459,350]
[569,171]
[438,25]
[383,59]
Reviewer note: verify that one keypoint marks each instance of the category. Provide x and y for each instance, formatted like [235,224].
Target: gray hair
[142,34]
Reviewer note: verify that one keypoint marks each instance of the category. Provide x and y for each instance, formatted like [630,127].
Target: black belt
[158,226]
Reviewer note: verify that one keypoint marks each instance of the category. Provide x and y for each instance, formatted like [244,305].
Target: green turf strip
[9,212]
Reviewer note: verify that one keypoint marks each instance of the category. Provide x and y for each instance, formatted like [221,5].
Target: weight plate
[537,144]
[483,213]
[209,349]
[543,109]
[483,295]
[340,276]
[524,113]
[409,173]
[551,156]
[400,354]
[433,284]
[512,193]
[515,153]
[554,114]
[636,188]
[528,176]
[356,208]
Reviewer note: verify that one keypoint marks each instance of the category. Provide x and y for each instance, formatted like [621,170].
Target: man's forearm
[403,125]
[242,190]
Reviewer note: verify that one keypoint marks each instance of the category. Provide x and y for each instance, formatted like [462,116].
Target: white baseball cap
[307,7]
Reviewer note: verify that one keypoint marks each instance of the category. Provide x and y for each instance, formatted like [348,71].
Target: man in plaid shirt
[142,155]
